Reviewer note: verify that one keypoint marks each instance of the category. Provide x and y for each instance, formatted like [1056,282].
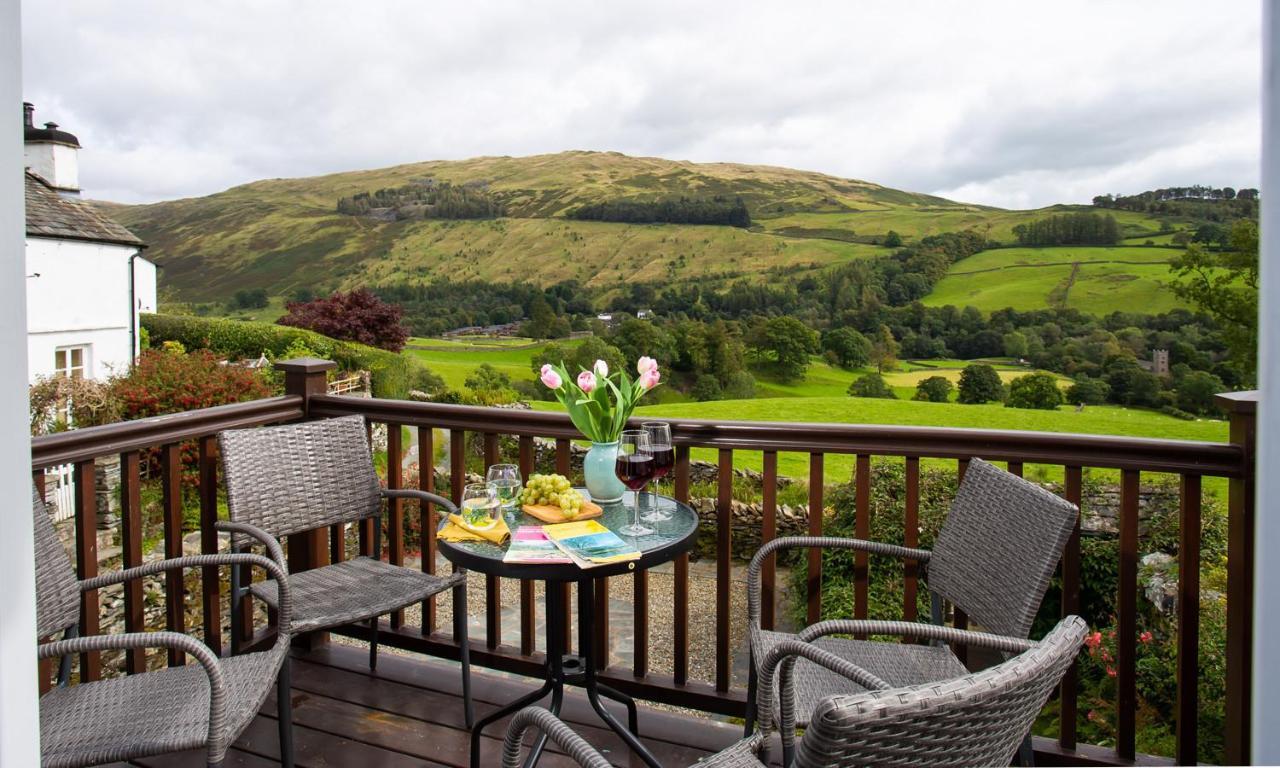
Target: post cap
[305,365]
[1238,402]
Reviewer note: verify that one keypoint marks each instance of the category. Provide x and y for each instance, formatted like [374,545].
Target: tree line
[1198,202]
[683,210]
[1069,229]
[425,200]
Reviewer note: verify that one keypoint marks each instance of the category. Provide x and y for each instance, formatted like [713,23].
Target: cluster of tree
[249,298]
[358,316]
[1070,229]
[684,210]
[424,200]
[432,308]
[1195,202]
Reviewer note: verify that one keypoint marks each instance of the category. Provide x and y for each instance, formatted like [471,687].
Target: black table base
[565,669]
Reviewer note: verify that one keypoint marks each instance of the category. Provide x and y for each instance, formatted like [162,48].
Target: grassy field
[1092,279]
[454,365]
[826,380]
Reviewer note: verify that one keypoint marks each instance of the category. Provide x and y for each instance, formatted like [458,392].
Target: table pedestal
[566,669]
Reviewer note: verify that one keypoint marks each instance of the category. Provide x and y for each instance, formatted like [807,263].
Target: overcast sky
[1015,104]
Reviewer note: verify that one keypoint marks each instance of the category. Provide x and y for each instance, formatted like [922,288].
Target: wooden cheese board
[548,513]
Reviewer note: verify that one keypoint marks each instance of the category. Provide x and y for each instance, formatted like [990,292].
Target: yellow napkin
[457,530]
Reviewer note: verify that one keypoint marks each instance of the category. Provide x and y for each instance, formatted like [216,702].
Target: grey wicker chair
[974,719]
[293,478]
[207,704]
[993,559]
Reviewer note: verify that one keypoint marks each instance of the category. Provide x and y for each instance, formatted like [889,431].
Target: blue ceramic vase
[599,472]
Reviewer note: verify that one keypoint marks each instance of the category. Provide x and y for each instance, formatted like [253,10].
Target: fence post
[307,377]
[1242,411]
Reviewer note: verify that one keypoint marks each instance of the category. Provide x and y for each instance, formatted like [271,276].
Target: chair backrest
[979,719]
[999,547]
[57,588]
[301,476]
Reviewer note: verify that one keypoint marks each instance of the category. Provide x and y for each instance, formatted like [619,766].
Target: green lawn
[454,366]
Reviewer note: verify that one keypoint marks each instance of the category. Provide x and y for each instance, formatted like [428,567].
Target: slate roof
[52,215]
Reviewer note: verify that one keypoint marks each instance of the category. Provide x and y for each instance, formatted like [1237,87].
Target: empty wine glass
[634,467]
[480,506]
[664,458]
[507,481]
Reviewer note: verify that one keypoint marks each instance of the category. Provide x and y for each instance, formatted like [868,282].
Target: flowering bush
[599,404]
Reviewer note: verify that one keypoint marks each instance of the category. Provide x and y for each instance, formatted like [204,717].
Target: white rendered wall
[19,721]
[1266,613]
[78,294]
[57,164]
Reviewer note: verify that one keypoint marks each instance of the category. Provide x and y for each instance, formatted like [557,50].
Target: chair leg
[373,643]
[464,650]
[751,698]
[284,713]
[1026,753]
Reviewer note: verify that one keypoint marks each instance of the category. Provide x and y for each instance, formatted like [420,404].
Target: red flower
[1145,637]
[1093,641]
[1111,671]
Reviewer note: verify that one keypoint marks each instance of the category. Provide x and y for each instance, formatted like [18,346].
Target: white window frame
[63,354]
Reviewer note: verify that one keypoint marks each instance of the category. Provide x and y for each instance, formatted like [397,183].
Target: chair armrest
[916,629]
[199,561]
[816,542]
[412,493]
[218,740]
[562,735]
[254,532]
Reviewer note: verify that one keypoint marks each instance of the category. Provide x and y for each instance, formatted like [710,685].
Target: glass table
[671,538]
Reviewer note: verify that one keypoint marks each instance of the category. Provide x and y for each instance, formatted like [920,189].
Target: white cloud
[1005,103]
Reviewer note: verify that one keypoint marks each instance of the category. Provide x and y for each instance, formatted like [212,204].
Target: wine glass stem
[636,506]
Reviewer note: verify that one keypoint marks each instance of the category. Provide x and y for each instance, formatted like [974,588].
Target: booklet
[529,544]
[590,544]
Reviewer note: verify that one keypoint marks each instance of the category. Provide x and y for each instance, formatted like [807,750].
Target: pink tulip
[601,368]
[586,382]
[650,378]
[646,364]
[550,377]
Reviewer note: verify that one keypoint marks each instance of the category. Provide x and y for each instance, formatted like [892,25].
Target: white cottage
[87,282]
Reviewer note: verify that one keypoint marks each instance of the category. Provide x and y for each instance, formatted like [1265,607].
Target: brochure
[590,544]
[529,544]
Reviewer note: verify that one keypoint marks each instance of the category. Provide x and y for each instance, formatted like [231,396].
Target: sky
[1013,104]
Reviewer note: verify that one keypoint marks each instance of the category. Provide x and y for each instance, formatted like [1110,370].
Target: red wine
[664,458]
[634,470]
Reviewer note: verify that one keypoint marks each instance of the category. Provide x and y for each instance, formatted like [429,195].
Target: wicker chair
[992,559]
[975,719]
[198,705]
[293,478]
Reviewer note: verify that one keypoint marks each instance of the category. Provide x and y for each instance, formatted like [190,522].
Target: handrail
[1104,451]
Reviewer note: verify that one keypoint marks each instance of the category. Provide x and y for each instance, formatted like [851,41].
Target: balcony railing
[307,398]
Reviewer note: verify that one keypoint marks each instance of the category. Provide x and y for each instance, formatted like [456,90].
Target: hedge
[392,375]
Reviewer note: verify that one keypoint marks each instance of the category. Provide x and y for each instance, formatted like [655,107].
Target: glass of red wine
[634,467]
[664,459]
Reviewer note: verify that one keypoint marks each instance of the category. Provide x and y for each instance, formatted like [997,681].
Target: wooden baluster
[769,532]
[492,585]
[1015,468]
[364,527]
[131,544]
[1241,408]
[210,584]
[724,530]
[395,514]
[528,608]
[1188,674]
[814,586]
[1127,610]
[86,502]
[680,603]
[175,588]
[457,473]
[564,466]
[1072,486]
[911,538]
[427,482]
[862,530]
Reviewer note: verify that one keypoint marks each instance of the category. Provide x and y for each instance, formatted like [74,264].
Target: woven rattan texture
[57,589]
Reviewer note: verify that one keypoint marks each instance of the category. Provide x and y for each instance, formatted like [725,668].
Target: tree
[884,350]
[641,338]
[789,342]
[543,323]
[1035,390]
[250,298]
[1196,391]
[893,240]
[356,316]
[707,387]
[1130,385]
[979,383]
[487,378]
[580,357]
[1015,344]
[935,389]
[1225,285]
[872,385]
[1087,390]
[849,348]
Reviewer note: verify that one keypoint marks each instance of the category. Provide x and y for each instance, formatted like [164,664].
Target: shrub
[979,383]
[1035,390]
[935,389]
[707,387]
[88,402]
[872,385]
[847,347]
[358,316]
[1088,391]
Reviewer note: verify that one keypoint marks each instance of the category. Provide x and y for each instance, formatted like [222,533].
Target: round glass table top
[671,537]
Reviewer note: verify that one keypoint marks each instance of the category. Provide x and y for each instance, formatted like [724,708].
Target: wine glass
[664,458]
[507,481]
[634,467]
[480,506]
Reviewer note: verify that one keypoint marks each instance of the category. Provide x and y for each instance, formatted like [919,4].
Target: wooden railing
[1131,457]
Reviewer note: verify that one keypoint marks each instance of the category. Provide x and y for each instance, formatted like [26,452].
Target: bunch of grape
[554,490]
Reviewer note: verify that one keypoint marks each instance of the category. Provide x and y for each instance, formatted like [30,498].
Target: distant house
[87,282]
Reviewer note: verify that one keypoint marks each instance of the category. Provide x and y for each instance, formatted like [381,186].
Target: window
[71,361]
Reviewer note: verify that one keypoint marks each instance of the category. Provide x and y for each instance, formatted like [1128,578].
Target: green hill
[284,234]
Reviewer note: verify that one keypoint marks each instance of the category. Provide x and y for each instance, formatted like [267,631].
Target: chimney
[50,153]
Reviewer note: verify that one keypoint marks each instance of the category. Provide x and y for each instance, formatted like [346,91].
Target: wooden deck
[409,713]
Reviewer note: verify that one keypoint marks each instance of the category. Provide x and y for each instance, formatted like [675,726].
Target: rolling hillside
[285,234]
